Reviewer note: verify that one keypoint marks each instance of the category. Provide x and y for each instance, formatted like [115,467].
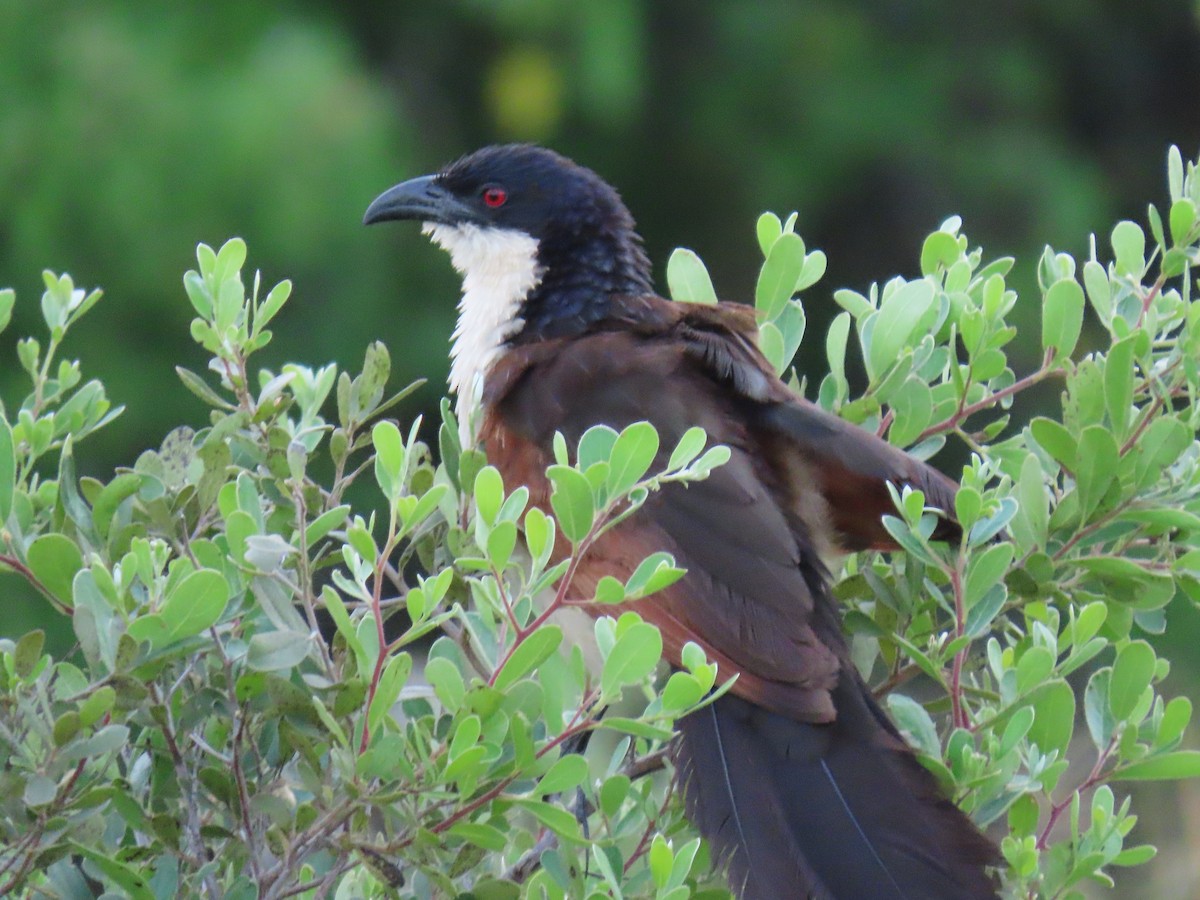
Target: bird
[797,778]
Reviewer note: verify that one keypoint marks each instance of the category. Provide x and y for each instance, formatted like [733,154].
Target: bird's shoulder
[645,336]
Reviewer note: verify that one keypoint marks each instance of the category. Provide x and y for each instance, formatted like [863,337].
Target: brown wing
[746,597]
[851,467]
[807,790]
[799,483]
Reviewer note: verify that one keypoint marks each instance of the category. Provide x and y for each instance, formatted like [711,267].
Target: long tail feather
[842,811]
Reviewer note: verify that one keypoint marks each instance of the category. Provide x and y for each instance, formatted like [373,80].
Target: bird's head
[543,245]
[516,187]
[528,220]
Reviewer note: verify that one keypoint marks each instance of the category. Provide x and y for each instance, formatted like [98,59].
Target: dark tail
[842,811]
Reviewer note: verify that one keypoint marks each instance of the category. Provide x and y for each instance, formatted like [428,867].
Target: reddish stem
[958,711]
[965,412]
[1094,778]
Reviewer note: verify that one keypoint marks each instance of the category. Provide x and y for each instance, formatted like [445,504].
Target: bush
[206,738]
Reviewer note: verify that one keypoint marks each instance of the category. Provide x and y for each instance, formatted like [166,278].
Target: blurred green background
[130,131]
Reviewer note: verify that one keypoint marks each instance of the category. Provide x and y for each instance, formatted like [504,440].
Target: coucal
[797,778]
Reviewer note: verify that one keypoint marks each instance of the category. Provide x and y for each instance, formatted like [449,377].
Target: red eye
[495,196]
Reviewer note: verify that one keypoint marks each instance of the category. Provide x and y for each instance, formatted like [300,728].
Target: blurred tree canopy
[130,131]
[126,127]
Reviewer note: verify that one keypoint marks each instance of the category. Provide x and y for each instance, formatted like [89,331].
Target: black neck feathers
[581,273]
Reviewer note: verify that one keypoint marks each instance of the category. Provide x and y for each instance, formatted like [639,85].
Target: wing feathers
[797,779]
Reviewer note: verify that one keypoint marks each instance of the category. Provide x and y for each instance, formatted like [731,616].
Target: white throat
[499,269]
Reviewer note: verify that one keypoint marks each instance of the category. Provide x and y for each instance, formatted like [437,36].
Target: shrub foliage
[315,655]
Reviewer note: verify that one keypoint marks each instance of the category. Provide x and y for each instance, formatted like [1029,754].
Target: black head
[586,247]
[514,186]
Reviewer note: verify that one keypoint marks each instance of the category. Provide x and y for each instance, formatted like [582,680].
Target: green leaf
[201,389]
[39,790]
[486,836]
[395,675]
[132,882]
[1135,856]
[1062,317]
[1054,716]
[687,278]
[389,458]
[1030,524]
[815,264]
[8,298]
[912,405]
[557,819]
[632,658]
[54,559]
[501,541]
[1132,673]
[632,454]
[896,322]
[983,613]
[986,570]
[655,572]
[275,650]
[8,470]
[567,773]
[1099,291]
[539,536]
[1056,440]
[322,525]
[1175,719]
[572,502]
[195,604]
[609,590]
[768,228]
[274,302]
[1118,385]
[111,497]
[489,493]
[1129,248]
[1166,766]
[1100,721]
[1175,172]
[779,274]
[28,652]
[688,448]
[913,718]
[1096,467]
[528,655]
[637,728]
[939,249]
[447,682]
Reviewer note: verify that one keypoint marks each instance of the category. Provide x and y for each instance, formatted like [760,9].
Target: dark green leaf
[1132,673]
[1167,766]
[276,650]
[528,655]
[28,652]
[1095,468]
[54,559]
[567,773]
[8,470]
[1054,709]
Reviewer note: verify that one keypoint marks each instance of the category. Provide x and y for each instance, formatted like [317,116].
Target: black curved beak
[423,199]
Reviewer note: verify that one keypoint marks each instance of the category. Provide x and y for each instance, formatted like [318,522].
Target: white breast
[499,268]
